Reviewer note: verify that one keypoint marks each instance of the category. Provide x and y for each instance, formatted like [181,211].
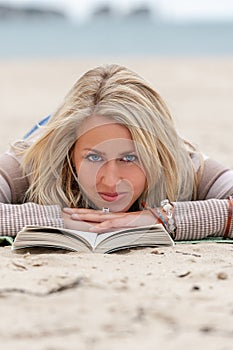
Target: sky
[169,9]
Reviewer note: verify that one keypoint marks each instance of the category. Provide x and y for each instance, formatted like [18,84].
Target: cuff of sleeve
[15,217]
[200,219]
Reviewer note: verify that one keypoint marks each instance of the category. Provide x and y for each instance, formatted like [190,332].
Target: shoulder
[13,178]
[215,180]
[9,162]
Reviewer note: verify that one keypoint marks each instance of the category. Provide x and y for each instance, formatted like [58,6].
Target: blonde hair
[115,92]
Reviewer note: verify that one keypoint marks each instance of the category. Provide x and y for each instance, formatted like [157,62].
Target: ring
[105,210]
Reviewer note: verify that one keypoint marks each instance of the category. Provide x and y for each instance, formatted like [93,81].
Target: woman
[107,158]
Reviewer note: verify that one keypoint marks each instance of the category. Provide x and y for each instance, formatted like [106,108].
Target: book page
[102,236]
[131,231]
[102,242]
[86,237]
[90,237]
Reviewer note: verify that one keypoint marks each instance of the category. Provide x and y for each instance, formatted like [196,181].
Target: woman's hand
[99,221]
[74,224]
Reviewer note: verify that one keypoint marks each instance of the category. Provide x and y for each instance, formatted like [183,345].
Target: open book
[44,236]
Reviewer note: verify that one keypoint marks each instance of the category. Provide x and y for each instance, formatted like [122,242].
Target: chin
[116,207]
[113,208]
[120,208]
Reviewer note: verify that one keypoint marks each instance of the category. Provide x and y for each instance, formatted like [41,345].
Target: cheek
[137,178]
[87,173]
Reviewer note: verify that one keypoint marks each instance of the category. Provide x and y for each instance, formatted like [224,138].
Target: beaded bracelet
[155,214]
[164,222]
[167,208]
[170,225]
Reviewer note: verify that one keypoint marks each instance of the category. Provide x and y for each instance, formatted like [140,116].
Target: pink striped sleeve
[200,219]
[14,217]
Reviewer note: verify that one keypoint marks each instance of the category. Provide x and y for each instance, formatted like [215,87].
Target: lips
[110,196]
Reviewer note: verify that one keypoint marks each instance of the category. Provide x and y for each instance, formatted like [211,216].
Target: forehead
[97,122]
[100,132]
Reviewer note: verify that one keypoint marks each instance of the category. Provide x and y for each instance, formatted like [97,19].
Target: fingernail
[75,216]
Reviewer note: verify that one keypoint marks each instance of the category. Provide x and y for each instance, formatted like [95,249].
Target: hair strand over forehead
[115,92]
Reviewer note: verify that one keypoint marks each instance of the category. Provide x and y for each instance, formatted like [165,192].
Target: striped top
[198,219]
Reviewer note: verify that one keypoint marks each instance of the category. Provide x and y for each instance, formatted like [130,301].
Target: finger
[112,224]
[94,217]
[80,210]
[105,226]
[124,221]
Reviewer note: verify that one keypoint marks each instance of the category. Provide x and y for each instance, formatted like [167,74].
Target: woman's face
[107,165]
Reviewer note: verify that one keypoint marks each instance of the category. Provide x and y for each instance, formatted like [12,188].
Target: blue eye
[129,158]
[94,157]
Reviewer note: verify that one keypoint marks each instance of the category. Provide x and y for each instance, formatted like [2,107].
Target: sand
[163,298]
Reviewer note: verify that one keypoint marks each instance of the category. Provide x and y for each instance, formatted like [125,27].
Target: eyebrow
[128,152]
[94,150]
[104,154]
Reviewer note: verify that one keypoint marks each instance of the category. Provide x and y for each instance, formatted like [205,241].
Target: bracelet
[167,208]
[154,213]
[164,222]
[229,218]
[170,225]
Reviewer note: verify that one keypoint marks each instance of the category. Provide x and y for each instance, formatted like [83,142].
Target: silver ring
[105,210]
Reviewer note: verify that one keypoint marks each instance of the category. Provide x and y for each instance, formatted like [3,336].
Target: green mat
[208,239]
[5,240]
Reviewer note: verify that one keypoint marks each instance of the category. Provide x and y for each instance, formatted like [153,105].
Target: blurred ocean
[138,36]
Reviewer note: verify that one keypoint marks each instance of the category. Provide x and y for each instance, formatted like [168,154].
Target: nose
[109,175]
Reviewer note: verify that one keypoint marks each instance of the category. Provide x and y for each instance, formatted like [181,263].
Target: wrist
[167,210]
[164,216]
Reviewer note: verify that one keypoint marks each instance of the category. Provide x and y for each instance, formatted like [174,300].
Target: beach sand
[161,298]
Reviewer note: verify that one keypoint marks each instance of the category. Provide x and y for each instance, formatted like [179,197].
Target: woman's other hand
[99,221]
[71,224]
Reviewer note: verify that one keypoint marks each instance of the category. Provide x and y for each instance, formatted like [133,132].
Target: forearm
[14,217]
[200,219]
